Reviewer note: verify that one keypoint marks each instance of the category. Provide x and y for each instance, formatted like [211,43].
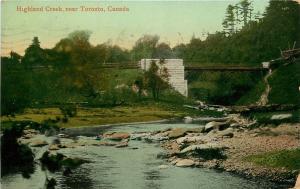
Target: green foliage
[257,41]
[15,95]
[144,47]
[34,54]
[288,159]
[224,88]
[265,117]
[285,85]
[253,95]
[71,75]
[13,154]
[68,110]
[156,78]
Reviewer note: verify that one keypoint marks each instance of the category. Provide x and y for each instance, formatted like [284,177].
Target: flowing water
[133,167]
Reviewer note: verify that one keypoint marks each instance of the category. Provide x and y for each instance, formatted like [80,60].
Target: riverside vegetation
[66,87]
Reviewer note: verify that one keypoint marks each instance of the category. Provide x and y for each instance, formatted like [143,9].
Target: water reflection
[78,179]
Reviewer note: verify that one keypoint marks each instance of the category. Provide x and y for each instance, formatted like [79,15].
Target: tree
[15,94]
[15,57]
[34,54]
[229,21]
[156,78]
[163,51]
[144,47]
[140,83]
[246,10]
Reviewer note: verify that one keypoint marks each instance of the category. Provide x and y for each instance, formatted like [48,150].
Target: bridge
[175,67]
[199,67]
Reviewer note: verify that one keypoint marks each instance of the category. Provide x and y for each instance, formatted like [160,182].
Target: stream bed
[132,167]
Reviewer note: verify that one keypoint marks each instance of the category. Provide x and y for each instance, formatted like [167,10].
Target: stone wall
[176,71]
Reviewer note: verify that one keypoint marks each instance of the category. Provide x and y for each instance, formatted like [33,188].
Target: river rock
[28,136]
[297,185]
[188,119]
[235,125]
[177,132]
[163,166]
[181,132]
[122,144]
[30,131]
[117,136]
[104,143]
[162,155]
[185,163]
[155,138]
[38,143]
[54,147]
[281,116]
[188,139]
[216,125]
[226,133]
[200,147]
[138,136]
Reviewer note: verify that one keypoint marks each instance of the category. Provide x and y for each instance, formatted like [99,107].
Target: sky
[174,21]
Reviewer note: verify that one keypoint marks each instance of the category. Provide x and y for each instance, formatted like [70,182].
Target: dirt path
[264,97]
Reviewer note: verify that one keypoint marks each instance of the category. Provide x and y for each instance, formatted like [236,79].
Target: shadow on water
[78,179]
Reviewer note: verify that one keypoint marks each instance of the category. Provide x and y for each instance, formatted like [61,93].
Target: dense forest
[247,38]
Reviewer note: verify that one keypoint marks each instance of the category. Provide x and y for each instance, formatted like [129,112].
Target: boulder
[104,143]
[122,144]
[138,136]
[185,163]
[205,151]
[28,136]
[281,116]
[162,155]
[216,126]
[297,185]
[200,147]
[235,125]
[226,133]
[118,136]
[177,132]
[188,139]
[181,132]
[156,138]
[38,143]
[188,119]
[30,131]
[54,147]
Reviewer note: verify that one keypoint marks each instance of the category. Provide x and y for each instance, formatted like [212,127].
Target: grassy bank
[288,159]
[266,117]
[100,116]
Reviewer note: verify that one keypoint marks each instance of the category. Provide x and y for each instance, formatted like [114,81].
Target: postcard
[150,94]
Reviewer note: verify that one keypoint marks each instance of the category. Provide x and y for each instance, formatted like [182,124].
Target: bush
[13,154]
[68,110]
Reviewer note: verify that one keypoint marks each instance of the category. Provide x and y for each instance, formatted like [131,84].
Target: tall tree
[246,11]
[34,54]
[229,21]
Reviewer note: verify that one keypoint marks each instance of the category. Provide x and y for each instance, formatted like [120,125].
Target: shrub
[68,110]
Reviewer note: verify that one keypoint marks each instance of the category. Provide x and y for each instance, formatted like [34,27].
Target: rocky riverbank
[227,145]
[224,144]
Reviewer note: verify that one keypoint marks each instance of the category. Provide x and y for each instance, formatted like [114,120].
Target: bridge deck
[186,68]
[223,68]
